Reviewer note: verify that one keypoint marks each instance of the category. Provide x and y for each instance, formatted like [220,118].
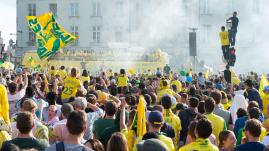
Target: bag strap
[60,146]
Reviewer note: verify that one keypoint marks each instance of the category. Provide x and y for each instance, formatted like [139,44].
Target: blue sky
[8,19]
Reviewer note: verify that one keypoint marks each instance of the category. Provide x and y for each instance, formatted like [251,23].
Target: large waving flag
[51,37]
[263,82]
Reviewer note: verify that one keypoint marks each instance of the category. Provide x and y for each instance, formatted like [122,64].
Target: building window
[119,8]
[31,38]
[96,34]
[206,33]
[31,9]
[74,31]
[53,9]
[74,9]
[204,7]
[96,9]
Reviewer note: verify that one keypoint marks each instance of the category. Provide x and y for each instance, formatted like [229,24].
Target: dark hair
[29,92]
[193,102]
[249,83]
[76,122]
[85,73]
[131,100]
[216,95]
[147,99]
[254,113]
[52,68]
[252,104]
[209,105]
[166,102]
[223,28]
[95,144]
[241,113]
[12,87]
[62,68]
[91,98]
[204,128]
[25,122]
[73,72]
[157,108]
[165,83]
[223,137]
[110,108]
[122,71]
[254,127]
[191,129]
[201,107]
[150,135]
[117,142]
[51,98]
[113,90]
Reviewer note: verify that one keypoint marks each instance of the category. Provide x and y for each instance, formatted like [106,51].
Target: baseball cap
[155,117]
[18,71]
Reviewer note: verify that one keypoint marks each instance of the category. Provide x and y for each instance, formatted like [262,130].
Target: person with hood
[239,102]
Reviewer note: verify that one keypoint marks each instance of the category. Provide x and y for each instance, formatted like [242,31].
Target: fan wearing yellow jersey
[202,143]
[225,44]
[71,85]
[62,72]
[122,79]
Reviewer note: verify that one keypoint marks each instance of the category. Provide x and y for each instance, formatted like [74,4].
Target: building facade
[122,24]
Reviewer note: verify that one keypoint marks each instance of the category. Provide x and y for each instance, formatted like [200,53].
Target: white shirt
[17,96]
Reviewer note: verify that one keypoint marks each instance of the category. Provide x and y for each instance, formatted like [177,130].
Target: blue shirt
[250,146]
[239,123]
[235,22]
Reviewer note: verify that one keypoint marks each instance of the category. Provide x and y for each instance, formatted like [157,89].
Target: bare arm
[115,99]
[122,116]
[25,84]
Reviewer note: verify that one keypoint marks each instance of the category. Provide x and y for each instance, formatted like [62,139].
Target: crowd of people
[60,111]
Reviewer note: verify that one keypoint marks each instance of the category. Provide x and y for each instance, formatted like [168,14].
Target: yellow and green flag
[51,37]
[263,82]
[234,78]
[141,117]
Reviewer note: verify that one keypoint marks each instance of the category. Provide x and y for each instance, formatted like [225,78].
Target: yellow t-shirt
[83,79]
[178,85]
[54,72]
[175,122]
[163,92]
[62,73]
[200,145]
[218,124]
[265,103]
[227,105]
[265,124]
[166,140]
[71,86]
[224,38]
[122,81]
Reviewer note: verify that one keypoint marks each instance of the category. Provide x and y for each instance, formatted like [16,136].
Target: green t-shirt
[27,143]
[100,125]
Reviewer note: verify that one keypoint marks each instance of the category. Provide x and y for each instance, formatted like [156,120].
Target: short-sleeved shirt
[71,86]
[100,125]
[200,145]
[218,123]
[224,38]
[62,73]
[226,115]
[27,143]
[251,146]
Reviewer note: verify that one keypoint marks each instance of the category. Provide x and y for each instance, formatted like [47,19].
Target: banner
[51,37]
[235,79]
